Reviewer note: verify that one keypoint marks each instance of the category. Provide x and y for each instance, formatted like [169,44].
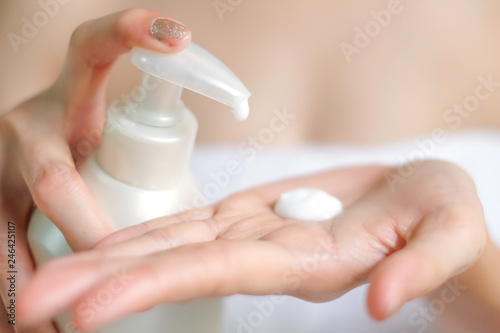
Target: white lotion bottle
[140,172]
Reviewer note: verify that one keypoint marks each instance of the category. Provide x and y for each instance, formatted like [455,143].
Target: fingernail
[170,31]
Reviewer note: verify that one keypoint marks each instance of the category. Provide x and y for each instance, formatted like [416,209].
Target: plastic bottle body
[125,205]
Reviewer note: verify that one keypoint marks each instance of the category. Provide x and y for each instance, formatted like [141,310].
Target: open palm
[405,240]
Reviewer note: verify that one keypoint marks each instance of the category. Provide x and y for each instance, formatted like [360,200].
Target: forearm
[483,278]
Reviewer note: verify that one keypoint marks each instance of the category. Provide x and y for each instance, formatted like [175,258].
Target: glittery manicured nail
[162,29]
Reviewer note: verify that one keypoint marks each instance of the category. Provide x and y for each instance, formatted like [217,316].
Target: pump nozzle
[195,69]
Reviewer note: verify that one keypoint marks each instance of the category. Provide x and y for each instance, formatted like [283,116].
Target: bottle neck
[158,102]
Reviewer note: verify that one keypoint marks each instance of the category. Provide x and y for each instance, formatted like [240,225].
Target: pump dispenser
[140,171]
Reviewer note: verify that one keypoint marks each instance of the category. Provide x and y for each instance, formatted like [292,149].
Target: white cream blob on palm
[308,204]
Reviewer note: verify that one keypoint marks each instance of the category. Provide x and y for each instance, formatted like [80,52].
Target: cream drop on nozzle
[195,69]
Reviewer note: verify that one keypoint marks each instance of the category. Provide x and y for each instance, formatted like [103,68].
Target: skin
[482,278]
[404,242]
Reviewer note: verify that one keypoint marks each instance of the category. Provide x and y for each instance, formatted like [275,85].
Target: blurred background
[351,71]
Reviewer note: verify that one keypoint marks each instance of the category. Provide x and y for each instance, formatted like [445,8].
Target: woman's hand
[405,241]
[42,138]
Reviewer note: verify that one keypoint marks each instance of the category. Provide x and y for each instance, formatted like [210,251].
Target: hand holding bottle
[405,241]
[39,137]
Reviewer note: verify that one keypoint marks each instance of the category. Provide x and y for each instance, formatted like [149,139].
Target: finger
[248,225]
[15,257]
[184,273]
[203,270]
[83,270]
[163,239]
[193,226]
[445,235]
[95,45]
[434,254]
[17,269]
[199,214]
[99,42]
[59,191]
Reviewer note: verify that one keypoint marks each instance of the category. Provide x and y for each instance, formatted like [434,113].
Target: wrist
[483,278]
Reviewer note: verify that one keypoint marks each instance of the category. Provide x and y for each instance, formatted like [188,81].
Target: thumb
[444,244]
